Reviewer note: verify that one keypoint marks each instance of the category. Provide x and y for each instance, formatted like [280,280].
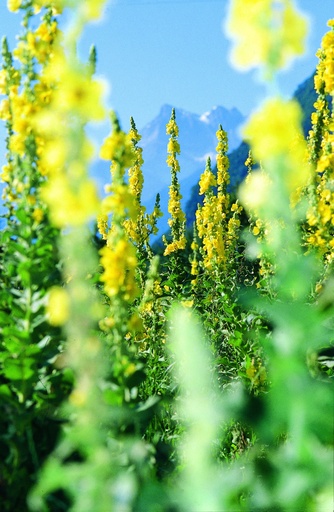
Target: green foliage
[181,384]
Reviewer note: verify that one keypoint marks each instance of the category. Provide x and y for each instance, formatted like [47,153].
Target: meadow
[194,375]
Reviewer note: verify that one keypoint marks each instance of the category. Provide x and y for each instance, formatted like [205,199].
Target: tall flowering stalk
[177,217]
[72,200]
[30,267]
[140,226]
[320,216]
[276,140]
[231,212]
[217,221]
[210,221]
[118,256]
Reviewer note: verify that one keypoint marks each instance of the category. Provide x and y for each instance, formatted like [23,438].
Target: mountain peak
[165,110]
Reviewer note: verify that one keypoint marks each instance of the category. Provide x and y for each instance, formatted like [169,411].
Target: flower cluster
[217,222]
[177,217]
[22,80]
[210,224]
[65,98]
[141,225]
[324,79]
[119,262]
[320,215]
[262,33]
[118,256]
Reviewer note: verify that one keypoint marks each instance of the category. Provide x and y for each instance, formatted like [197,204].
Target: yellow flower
[102,225]
[69,207]
[172,127]
[78,398]
[206,181]
[7,171]
[255,192]
[173,162]
[92,9]
[118,147]
[187,303]
[176,245]
[57,308]
[14,5]
[5,113]
[57,5]
[173,146]
[275,132]
[53,157]
[38,215]
[80,94]
[17,143]
[119,262]
[265,32]
[3,81]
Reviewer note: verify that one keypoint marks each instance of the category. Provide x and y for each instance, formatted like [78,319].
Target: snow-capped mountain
[197,138]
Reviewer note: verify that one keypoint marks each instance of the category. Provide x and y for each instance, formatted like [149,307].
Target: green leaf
[5,391]
[18,369]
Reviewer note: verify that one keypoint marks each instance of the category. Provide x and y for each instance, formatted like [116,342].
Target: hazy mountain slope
[197,138]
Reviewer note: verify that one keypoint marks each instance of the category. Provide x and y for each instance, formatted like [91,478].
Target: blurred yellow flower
[57,308]
[266,33]
[69,207]
[14,5]
[274,132]
[80,94]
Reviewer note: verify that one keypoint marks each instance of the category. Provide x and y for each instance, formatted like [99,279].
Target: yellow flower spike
[119,263]
[207,180]
[56,5]
[171,127]
[117,147]
[187,303]
[102,225]
[53,157]
[6,173]
[177,217]
[17,144]
[57,308]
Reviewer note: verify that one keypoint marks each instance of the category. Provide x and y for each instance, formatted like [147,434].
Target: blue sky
[158,51]
[153,52]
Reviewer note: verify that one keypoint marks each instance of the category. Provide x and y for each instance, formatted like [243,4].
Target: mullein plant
[103,345]
[141,225]
[177,242]
[32,387]
[320,215]
[119,257]
[217,222]
[85,465]
[258,229]
[214,257]
[276,140]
